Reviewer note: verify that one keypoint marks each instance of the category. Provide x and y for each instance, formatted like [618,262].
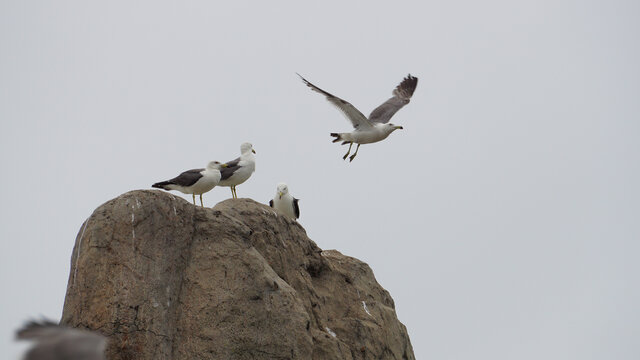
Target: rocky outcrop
[164,279]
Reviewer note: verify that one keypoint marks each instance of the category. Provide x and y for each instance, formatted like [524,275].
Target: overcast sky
[503,219]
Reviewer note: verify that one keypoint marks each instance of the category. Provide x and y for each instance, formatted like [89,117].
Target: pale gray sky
[503,219]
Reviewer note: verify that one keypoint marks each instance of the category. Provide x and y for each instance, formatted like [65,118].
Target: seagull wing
[187,178]
[232,167]
[53,342]
[401,95]
[296,208]
[350,112]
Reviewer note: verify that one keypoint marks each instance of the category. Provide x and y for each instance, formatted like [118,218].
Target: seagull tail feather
[341,137]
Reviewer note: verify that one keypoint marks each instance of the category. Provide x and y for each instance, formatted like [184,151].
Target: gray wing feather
[55,342]
[349,111]
[36,330]
[187,178]
[232,166]
[401,96]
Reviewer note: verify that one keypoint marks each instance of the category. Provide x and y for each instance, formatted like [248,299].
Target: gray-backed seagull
[284,202]
[57,342]
[377,126]
[239,169]
[195,181]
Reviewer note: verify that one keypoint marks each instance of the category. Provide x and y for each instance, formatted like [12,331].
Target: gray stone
[164,279]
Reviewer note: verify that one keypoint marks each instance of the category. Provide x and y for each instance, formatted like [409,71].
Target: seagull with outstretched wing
[375,128]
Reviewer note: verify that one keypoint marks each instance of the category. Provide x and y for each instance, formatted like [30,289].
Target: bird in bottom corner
[284,202]
[195,181]
[57,342]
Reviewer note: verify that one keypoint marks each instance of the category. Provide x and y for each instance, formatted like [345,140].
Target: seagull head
[215,165]
[282,190]
[246,147]
[388,128]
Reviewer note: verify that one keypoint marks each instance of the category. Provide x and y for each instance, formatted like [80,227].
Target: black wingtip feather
[304,80]
[408,85]
[161,185]
[296,208]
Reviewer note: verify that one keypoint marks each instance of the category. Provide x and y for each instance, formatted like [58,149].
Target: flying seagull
[57,342]
[377,126]
[239,169]
[284,202]
[195,181]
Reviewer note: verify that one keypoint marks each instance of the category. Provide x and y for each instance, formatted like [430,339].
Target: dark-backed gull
[284,202]
[195,181]
[239,170]
[57,342]
[377,126]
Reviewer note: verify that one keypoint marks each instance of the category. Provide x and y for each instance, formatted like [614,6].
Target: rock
[164,279]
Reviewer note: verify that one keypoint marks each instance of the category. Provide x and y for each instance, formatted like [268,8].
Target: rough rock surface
[164,279]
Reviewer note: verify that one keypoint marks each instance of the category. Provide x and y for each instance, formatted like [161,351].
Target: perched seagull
[56,342]
[285,202]
[240,169]
[377,126]
[195,181]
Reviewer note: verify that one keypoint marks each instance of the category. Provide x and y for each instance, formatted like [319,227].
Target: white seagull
[284,202]
[377,126]
[195,181]
[57,342]
[240,169]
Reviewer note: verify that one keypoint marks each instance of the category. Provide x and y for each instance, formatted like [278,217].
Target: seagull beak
[224,165]
[399,127]
[253,151]
[280,194]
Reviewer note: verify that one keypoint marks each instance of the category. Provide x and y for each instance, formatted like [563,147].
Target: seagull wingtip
[302,78]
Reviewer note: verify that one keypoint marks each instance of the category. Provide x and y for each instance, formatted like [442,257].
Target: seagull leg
[194,198]
[348,151]
[354,154]
[201,204]
[231,188]
[235,192]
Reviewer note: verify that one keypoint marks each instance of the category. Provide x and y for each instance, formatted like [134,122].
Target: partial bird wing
[187,178]
[350,112]
[296,208]
[232,166]
[55,342]
[271,202]
[401,95]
